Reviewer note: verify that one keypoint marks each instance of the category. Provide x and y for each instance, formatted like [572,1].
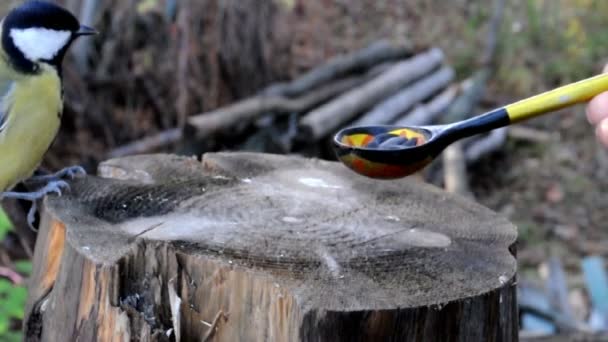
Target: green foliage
[464,57]
[12,297]
[534,22]
[547,43]
[529,232]
[23,267]
[12,302]
[5,224]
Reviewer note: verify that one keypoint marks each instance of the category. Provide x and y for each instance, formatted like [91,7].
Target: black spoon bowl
[388,152]
[351,146]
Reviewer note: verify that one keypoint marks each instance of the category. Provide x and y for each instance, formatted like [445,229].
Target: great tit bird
[34,38]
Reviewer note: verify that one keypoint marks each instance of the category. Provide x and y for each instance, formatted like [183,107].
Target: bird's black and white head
[39,32]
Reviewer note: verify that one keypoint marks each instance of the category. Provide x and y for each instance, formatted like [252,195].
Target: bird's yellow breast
[34,107]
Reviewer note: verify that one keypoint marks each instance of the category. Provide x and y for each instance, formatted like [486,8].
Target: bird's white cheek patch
[39,43]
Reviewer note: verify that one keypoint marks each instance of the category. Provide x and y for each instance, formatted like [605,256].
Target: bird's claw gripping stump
[54,183]
[69,172]
[291,249]
[52,186]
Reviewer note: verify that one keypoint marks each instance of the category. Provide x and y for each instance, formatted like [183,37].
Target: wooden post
[256,247]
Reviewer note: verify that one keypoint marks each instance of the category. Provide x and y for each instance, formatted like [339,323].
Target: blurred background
[157,64]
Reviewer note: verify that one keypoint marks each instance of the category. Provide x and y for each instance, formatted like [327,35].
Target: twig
[388,110]
[329,117]
[426,113]
[340,66]
[11,275]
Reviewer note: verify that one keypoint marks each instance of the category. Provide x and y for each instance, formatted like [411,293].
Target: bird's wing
[6,85]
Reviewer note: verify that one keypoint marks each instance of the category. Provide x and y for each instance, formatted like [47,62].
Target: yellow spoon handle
[557,98]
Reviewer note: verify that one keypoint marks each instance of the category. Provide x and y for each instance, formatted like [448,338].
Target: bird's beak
[86,31]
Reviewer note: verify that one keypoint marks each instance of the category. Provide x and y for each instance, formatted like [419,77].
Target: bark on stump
[254,247]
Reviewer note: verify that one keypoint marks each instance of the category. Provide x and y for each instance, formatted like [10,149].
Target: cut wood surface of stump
[257,247]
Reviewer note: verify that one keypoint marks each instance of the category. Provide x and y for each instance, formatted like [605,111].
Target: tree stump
[256,247]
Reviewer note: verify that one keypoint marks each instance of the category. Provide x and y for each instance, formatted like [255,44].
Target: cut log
[327,118]
[207,124]
[491,142]
[455,170]
[426,113]
[255,247]
[388,110]
[377,53]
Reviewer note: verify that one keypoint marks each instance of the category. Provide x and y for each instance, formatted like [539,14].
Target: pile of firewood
[384,83]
